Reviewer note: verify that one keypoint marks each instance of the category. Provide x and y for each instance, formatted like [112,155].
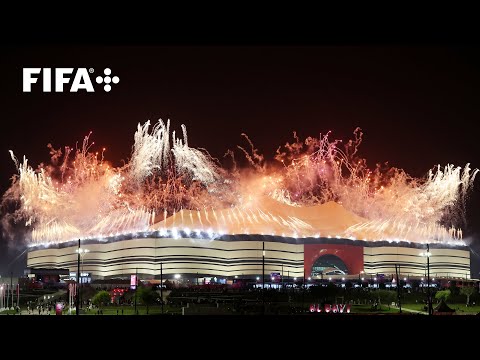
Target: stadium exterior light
[81,252]
[427,254]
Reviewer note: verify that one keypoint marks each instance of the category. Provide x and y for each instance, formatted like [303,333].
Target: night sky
[418,106]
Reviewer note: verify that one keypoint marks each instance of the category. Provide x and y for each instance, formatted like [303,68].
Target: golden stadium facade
[241,255]
[311,241]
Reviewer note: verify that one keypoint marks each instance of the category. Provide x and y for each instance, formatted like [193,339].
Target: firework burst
[80,195]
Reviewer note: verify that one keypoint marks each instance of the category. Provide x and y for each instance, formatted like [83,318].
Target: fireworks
[317,187]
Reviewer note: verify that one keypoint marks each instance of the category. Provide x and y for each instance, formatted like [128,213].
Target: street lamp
[81,253]
[161,283]
[263,276]
[282,277]
[427,254]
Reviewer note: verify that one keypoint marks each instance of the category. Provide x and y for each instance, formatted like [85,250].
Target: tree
[467,291]
[415,284]
[88,291]
[168,285]
[385,296]
[146,295]
[101,298]
[331,291]
[443,294]
[453,287]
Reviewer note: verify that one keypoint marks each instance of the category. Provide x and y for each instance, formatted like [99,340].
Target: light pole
[11,287]
[136,285]
[360,276]
[78,280]
[161,284]
[282,277]
[81,253]
[427,254]
[303,289]
[263,277]
[397,270]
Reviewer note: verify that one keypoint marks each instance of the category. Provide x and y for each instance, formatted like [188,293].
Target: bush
[101,298]
[386,296]
[443,294]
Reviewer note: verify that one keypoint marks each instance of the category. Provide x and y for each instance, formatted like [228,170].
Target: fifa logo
[80,79]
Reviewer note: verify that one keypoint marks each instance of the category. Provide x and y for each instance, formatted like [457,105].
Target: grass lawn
[9,312]
[460,308]
[112,310]
[130,310]
[415,306]
[367,309]
[169,310]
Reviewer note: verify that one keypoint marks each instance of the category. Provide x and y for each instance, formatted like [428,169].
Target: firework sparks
[317,187]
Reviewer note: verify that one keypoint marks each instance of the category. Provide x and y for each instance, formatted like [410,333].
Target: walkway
[411,311]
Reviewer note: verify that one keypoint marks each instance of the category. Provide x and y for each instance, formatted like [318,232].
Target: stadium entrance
[329,265]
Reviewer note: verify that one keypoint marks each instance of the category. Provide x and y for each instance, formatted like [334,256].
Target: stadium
[173,211]
[235,246]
